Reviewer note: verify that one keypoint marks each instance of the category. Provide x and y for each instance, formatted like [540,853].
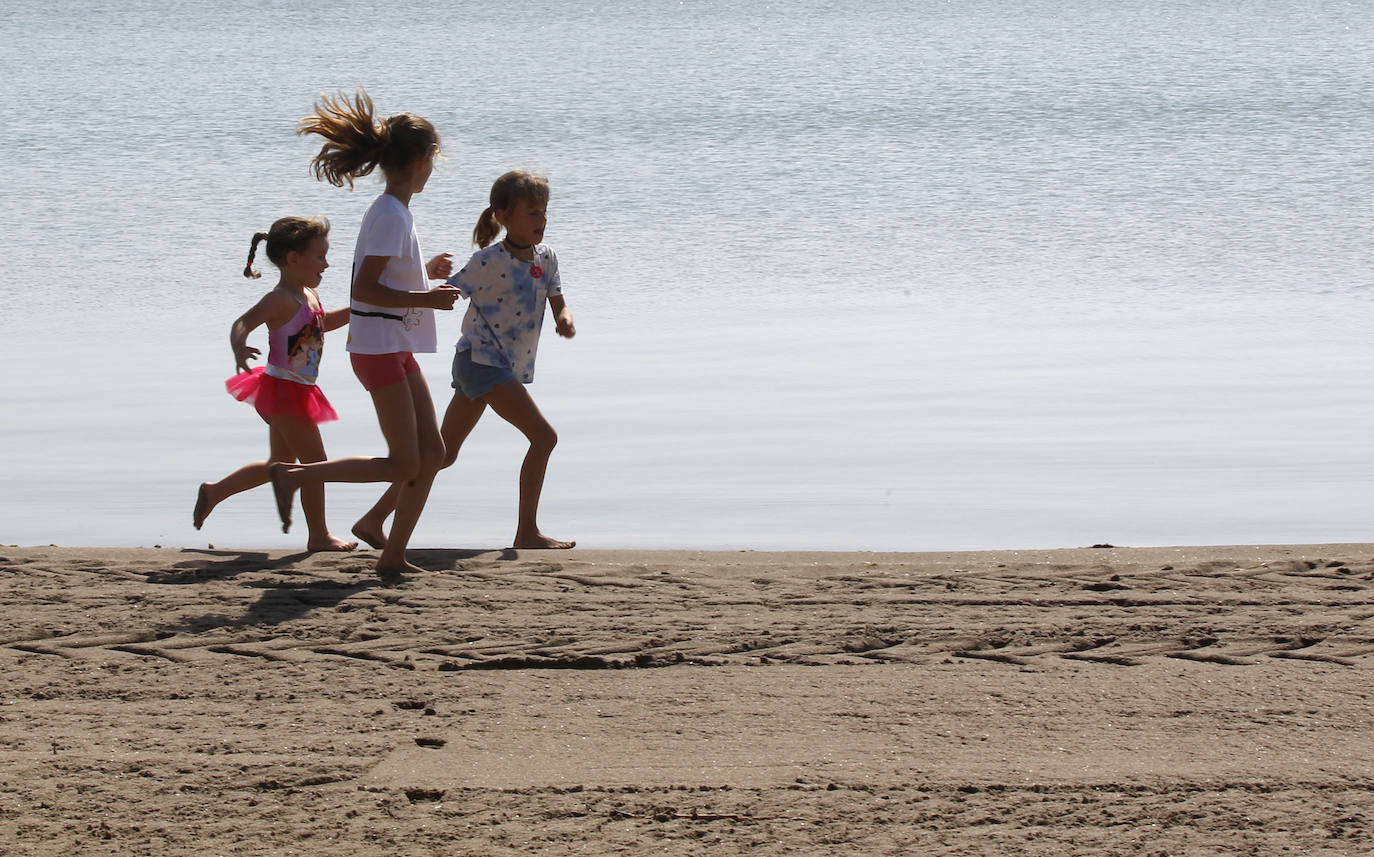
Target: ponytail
[487,228]
[514,185]
[252,251]
[356,142]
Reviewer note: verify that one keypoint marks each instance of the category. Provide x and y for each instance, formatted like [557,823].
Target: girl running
[508,284]
[284,391]
[392,313]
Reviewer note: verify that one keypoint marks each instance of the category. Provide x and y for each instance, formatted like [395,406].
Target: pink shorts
[383,370]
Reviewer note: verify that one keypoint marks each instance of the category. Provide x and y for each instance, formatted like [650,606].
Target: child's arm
[368,288]
[562,317]
[336,318]
[274,310]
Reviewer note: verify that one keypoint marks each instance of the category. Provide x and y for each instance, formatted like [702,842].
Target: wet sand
[1162,701]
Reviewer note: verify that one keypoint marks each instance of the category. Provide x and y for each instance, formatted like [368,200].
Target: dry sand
[1171,701]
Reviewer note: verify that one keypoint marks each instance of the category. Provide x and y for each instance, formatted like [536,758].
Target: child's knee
[434,458]
[450,456]
[405,466]
[545,438]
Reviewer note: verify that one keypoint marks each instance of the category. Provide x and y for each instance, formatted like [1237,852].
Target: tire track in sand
[508,610]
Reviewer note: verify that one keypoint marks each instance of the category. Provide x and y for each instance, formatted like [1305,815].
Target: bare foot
[330,542]
[539,541]
[203,506]
[395,573]
[375,538]
[283,490]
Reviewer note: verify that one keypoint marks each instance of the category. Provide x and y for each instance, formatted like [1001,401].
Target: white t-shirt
[506,306]
[389,230]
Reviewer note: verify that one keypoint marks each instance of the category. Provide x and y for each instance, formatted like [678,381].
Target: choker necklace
[513,245]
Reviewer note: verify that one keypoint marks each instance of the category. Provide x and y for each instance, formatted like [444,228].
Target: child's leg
[247,477]
[460,418]
[513,403]
[419,426]
[396,415]
[299,440]
[459,421]
[211,494]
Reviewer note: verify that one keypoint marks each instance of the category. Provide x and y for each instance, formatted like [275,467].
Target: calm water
[873,275]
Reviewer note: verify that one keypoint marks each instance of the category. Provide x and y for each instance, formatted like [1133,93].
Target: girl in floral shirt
[507,284]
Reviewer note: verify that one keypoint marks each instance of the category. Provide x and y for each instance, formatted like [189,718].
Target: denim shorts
[475,380]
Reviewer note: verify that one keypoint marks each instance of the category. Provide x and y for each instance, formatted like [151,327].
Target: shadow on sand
[287,600]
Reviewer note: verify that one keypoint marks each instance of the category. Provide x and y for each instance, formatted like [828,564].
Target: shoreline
[588,702]
[608,552]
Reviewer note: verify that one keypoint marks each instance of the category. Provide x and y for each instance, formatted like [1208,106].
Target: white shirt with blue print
[506,300]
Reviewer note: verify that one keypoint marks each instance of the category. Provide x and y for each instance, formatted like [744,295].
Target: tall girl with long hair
[392,312]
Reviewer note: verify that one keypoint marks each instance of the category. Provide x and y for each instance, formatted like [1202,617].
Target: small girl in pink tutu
[284,391]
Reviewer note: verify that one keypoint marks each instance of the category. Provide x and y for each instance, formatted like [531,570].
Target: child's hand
[443,297]
[563,323]
[243,355]
[440,267]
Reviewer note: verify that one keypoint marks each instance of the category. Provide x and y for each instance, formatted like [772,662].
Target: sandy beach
[1162,701]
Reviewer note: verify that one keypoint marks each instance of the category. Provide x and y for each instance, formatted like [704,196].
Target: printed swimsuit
[294,349]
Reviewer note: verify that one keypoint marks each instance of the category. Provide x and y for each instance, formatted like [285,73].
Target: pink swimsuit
[294,349]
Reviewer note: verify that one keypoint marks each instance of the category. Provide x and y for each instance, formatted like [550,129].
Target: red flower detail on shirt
[536,271]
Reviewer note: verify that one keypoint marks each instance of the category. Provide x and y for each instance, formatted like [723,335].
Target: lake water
[874,275]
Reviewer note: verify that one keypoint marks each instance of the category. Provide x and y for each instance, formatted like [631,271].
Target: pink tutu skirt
[272,396]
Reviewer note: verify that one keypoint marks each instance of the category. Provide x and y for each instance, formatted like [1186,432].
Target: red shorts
[383,370]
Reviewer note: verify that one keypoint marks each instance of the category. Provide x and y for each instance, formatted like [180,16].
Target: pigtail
[252,251]
[487,228]
[356,142]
